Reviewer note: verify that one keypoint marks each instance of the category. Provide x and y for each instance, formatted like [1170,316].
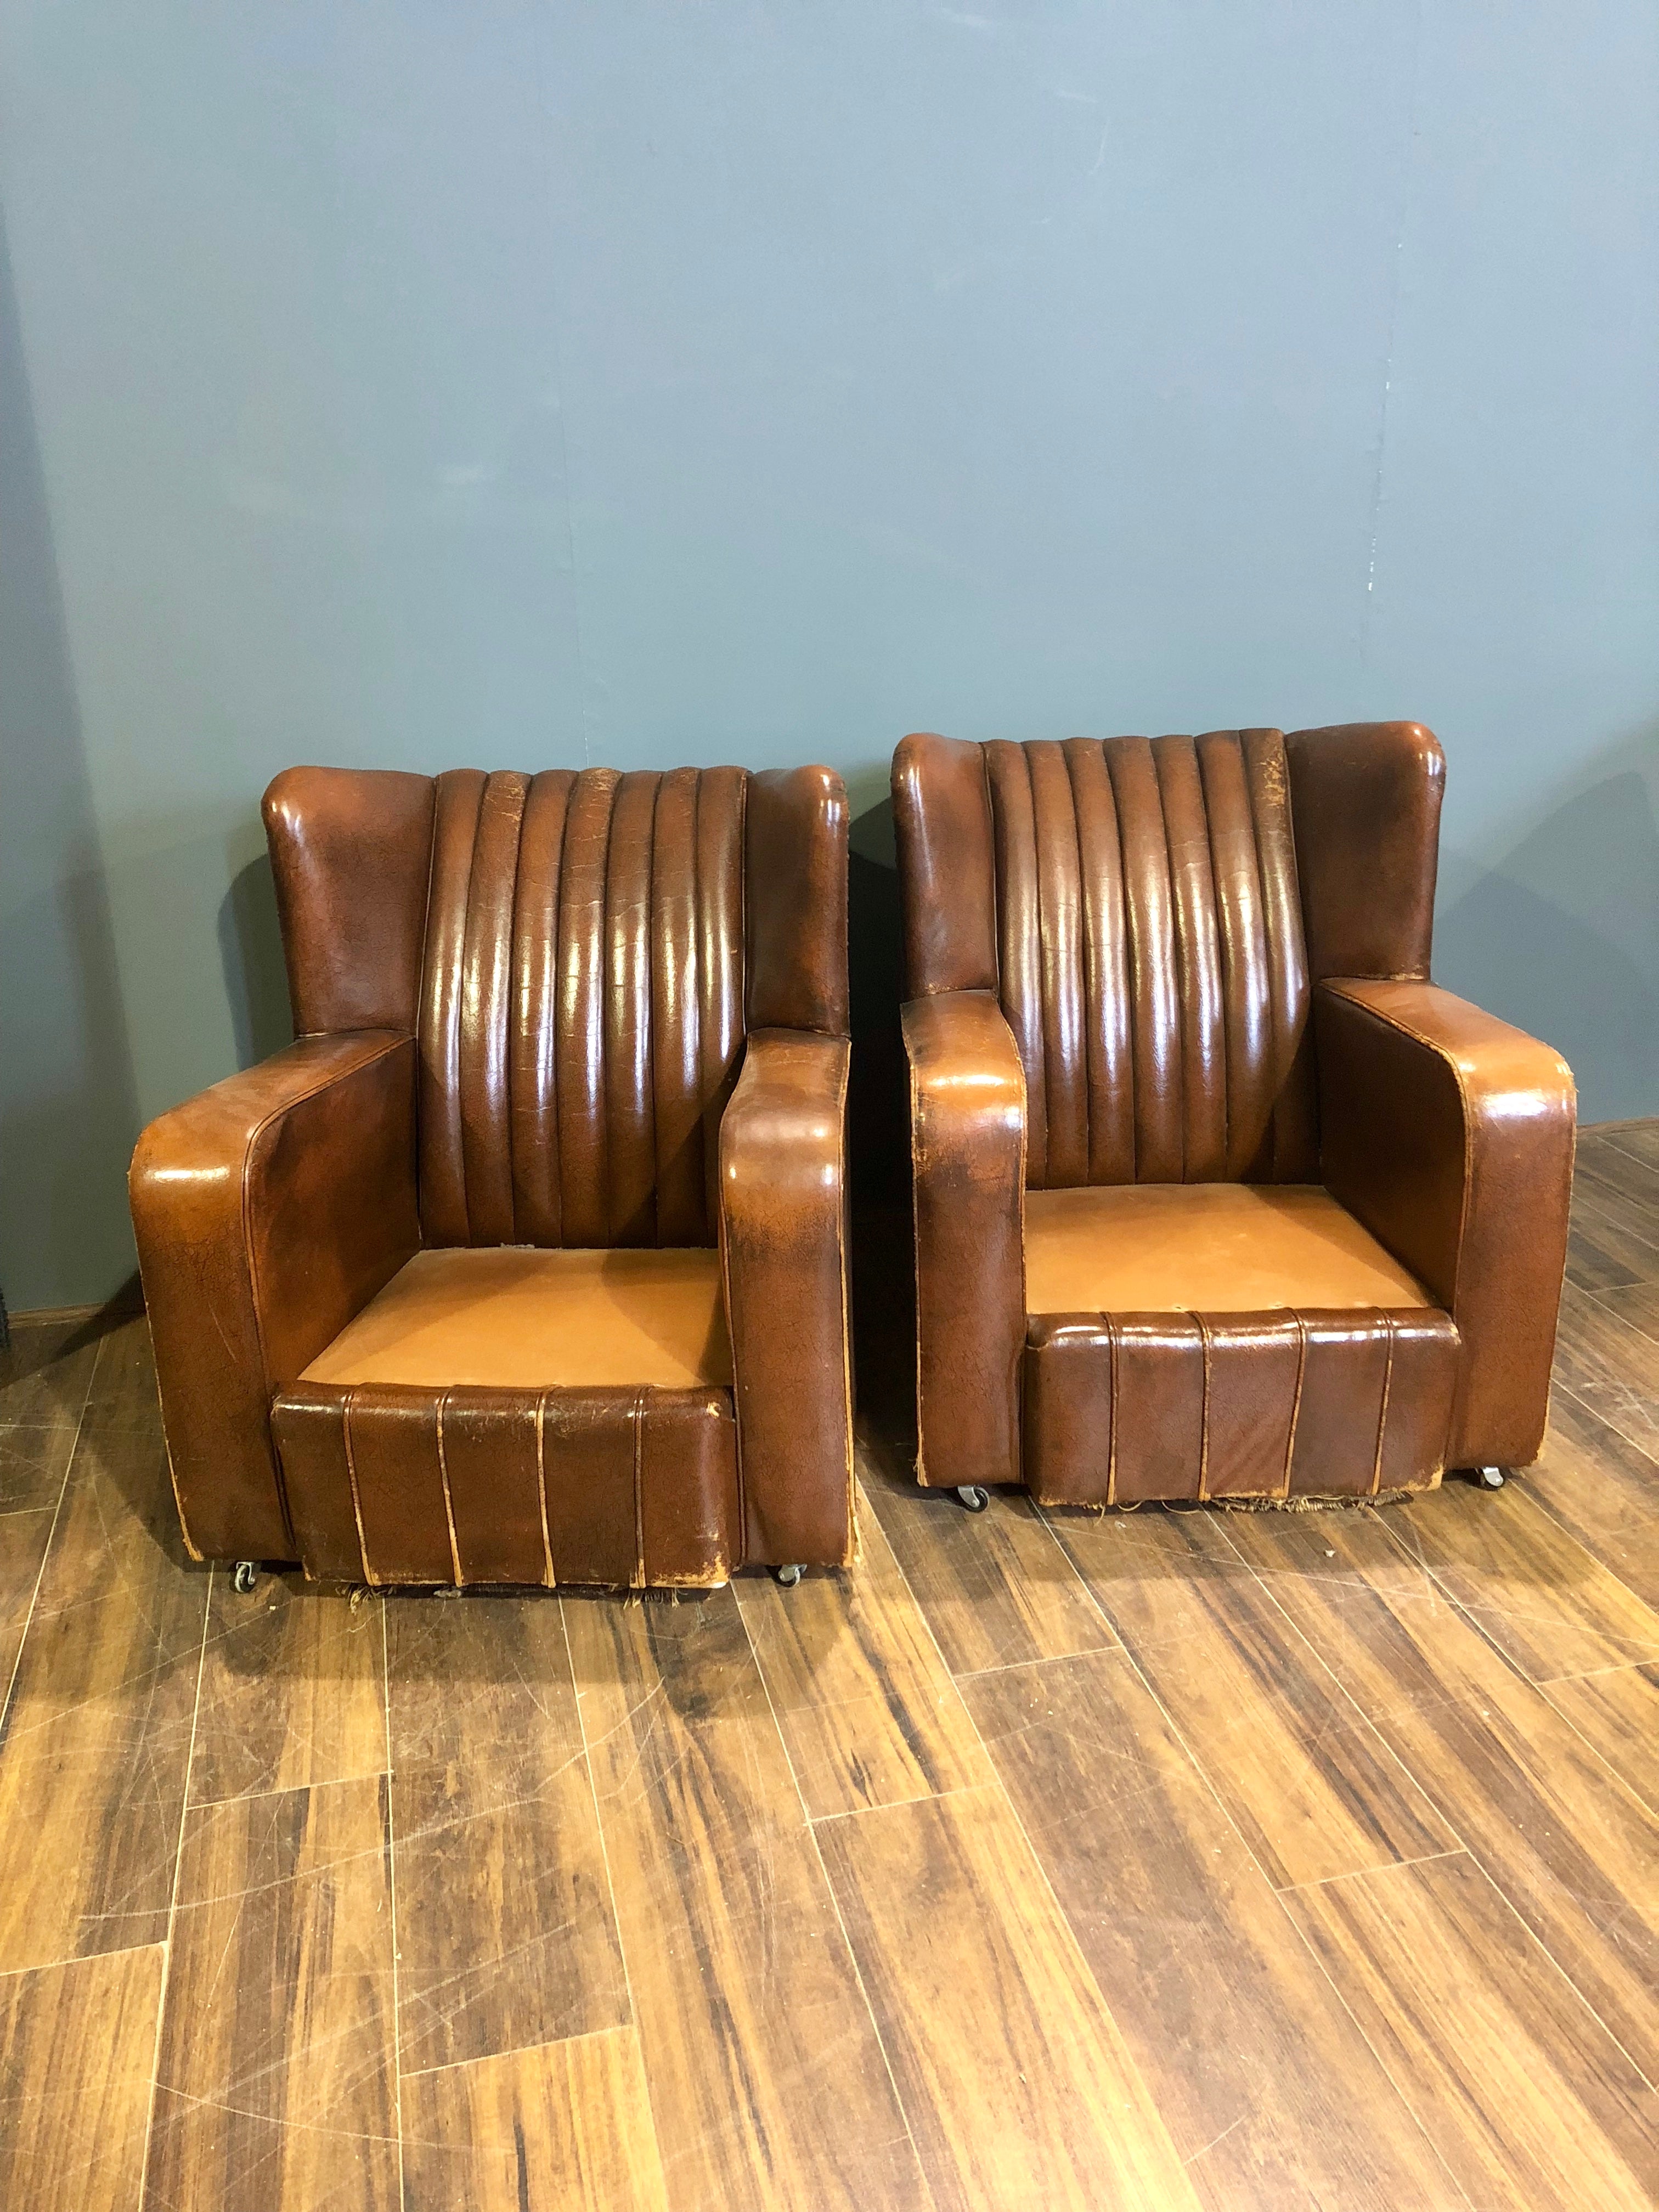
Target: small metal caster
[243,1577]
[974,1495]
[788,1577]
[1490,1478]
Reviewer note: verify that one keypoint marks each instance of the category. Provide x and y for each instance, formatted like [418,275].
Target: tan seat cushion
[1203,1248]
[507,1318]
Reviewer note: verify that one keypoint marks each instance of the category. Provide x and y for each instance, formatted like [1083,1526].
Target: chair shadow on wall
[1562,938]
[251,954]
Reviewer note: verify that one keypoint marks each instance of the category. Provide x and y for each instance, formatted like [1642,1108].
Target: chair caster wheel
[788,1577]
[243,1577]
[974,1495]
[1490,1478]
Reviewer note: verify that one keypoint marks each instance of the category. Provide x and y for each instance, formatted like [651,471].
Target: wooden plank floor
[1245,1861]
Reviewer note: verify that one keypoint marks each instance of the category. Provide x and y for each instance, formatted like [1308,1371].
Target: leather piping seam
[646,1092]
[452,1026]
[1085,988]
[915,1238]
[555,922]
[1131,965]
[550,1581]
[1037,1032]
[443,1478]
[1204,1422]
[508,997]
[1019,1242]
[850,1553]
[416,1019]
[1270,1135]
[693,997]
[1294,915]
[639,1491]
[732,1331]
[369,1575]
[1278,1080]
[1383,1409]
[1295,1402]
[1222,963]
[991,839]
[1111,1449]
[1178,941]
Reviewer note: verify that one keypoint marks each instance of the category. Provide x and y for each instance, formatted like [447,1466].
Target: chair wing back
[1138,907]
[579,955]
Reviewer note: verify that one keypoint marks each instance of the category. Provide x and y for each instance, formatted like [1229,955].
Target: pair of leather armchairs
[527,1262]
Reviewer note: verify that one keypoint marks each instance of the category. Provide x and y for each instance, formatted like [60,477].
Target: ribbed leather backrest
[1151,960]
[581,1006]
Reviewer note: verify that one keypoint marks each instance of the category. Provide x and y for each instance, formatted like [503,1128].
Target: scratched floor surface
[1162,1860]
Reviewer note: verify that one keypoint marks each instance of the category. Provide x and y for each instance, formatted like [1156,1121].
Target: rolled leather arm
[968,1159]
[1449,1135]
[783,1248]
[267,1210]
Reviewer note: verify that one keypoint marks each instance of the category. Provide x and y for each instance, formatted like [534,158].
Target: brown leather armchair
[526,1262]
[1215,1194]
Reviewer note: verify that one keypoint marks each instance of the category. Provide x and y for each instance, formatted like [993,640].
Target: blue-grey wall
[528,385]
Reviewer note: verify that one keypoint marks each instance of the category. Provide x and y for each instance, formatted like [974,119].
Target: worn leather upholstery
[1114,953]
[528,1262]
[1451,1136]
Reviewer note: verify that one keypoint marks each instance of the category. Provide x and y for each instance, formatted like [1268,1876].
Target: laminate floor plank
[97,1733]
[292,1690]
[1603,1490]
[1622,1188]
[23,1538]
[46,1371]
[1617,1712]
[1637,1304]
[1638,1141]
[1609,1365]
[567,2125]
[1474,2022]
[505,1929]
[1572,1848]
[995,1586]
[1607,1180]
[34,1458]
[1312,1787]
[45,1376]
[1019,2086]
[869,1712]
[1548,1604]
[1270,2094]
[77,2054]
[766,2075]
[276,2080]
[1610,1243]
[1602,1253]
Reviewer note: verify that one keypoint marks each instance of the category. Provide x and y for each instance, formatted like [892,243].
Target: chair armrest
[1449,1135]
[783,1251]
[267,1210]
[968,1164]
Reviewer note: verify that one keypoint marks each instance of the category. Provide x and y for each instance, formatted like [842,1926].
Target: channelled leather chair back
[1149,958]
[571,952]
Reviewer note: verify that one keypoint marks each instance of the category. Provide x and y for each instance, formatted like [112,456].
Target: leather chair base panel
[1119,1408]
[634,1488]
